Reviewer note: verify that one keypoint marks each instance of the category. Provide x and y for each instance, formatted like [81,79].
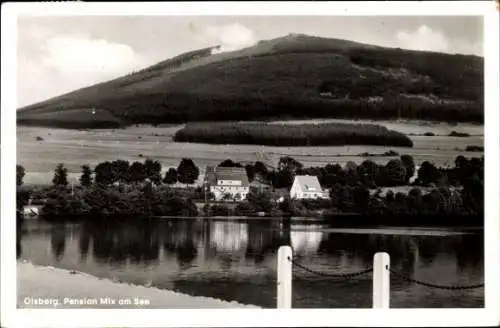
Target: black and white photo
[201,158]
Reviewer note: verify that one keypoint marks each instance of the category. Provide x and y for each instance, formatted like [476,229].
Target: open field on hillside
[77,147]
[409,127]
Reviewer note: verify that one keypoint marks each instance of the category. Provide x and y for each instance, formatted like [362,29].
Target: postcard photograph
[247,161]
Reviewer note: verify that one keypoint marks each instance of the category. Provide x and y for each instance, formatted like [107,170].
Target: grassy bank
[58,289]
[329,134]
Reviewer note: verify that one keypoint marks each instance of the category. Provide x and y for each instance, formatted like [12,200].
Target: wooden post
[381,281]
[284,281]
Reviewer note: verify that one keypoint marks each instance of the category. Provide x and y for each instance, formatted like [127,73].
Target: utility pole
[205,190]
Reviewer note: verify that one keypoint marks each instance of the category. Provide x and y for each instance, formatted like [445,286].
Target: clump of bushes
[218,210]
[458,134]
[390,153]
[244,209]
[474,148]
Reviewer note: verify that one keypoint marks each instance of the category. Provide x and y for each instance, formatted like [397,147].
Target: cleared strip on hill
[328,134]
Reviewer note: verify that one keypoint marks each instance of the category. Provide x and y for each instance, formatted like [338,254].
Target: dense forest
[329,134]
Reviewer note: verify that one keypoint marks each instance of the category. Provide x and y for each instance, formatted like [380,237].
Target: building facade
[227,183]
[307,187]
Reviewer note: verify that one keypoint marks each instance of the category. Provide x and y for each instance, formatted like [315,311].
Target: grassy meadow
[77,147]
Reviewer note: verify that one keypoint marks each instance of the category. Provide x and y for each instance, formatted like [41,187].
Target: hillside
[295,76]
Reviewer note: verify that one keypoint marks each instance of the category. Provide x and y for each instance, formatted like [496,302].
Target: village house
[227,183]
[307,187]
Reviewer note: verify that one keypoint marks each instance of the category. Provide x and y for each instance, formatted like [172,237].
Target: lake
[235,260]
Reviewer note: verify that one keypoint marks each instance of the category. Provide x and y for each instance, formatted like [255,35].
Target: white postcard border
[12,317]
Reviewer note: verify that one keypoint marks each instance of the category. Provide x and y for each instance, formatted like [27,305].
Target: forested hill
[296,76]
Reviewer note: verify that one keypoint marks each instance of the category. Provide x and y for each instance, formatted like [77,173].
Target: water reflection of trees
[263,240]
[181,239]
[407,252]
[120,242]
[469,251]
[229,241]
[404,250]
[84,242]
[58,241]
[139,242]
[19,236]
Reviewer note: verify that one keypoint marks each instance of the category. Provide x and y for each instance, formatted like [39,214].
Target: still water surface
[236,260]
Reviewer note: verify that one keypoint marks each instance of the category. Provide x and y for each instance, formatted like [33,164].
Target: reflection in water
[19,236]
[306,239]
[263,240]
[58,240]
[84,242]
[228,236]
[233,259]
[180,239]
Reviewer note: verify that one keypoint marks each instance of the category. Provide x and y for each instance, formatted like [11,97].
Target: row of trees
[397,172]
[358,200]
[459,189]
[112,201]
[292,134]
[122,171]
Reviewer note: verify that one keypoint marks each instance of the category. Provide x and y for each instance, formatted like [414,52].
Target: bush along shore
[448,196]
[327,134]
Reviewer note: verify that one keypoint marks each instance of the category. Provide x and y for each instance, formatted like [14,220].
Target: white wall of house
[229,182]
[296,192]
[220,190]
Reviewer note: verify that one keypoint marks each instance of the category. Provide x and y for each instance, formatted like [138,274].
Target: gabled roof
[214,174]
[308,183]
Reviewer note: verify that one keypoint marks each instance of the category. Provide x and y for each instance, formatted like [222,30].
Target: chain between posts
[427,284]
[341,275]
[399,275]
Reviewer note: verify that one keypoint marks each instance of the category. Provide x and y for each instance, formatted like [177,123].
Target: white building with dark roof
[227,183]
[307,187]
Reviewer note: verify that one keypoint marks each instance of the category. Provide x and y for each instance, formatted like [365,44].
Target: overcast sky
[57,55]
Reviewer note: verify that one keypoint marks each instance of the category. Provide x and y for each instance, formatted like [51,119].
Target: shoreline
[60,288]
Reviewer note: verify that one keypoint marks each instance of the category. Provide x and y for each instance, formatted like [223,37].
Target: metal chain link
[418,282]
[341,275]
[400,275]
